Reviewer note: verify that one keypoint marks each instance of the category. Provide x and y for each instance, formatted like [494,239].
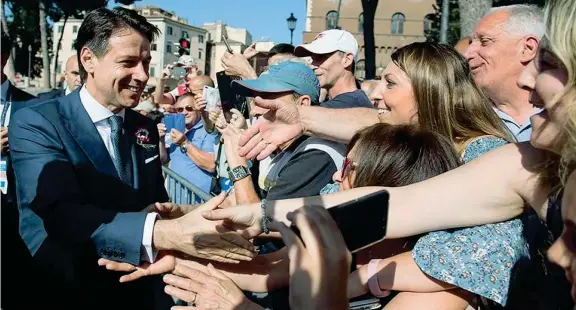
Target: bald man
[72,78]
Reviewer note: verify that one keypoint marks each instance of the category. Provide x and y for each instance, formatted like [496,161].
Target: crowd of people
[475,145]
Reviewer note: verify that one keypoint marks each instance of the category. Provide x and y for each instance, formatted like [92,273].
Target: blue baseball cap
[286,76]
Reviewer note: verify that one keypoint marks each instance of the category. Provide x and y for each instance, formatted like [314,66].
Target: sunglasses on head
[347,165]
[187,108]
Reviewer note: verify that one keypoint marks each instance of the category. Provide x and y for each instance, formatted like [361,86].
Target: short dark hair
[282,48]
[101,24]
[388,155]
[6,43]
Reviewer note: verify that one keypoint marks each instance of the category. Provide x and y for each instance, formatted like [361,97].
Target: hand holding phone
[362,221]
[320,259]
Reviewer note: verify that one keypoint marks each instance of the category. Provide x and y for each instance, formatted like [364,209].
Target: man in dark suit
[72,78]
[17,264]
[86,166]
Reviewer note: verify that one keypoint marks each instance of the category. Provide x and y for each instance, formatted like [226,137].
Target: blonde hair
[448,100]
[560,17]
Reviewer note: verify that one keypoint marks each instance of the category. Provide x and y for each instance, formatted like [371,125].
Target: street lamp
[291,25]
[29,61]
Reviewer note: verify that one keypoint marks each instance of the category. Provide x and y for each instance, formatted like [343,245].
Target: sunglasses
[347,165]
[187,108]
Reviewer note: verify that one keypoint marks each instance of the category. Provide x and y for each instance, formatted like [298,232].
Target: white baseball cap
[186,61]
[330,41]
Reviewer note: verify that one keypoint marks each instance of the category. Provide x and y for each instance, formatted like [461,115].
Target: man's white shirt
[99,116]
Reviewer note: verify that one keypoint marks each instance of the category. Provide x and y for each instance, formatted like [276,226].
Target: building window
[169,30]
[360,72]
[209,36]
[199,54]
[200,38]
[153,47]
[169,47]
[60,29]
[428,20]
[59,67]
[361,23]
[73,46]
[397,23]
[185,34]
[152,71]
[332,20]
[75,29]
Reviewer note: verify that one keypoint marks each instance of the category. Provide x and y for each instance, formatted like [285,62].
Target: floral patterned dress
[478,259]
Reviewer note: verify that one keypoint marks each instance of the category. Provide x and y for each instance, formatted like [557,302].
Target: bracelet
[265,219]
[373,284]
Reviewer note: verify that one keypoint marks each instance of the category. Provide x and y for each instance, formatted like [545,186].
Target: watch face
[238,173]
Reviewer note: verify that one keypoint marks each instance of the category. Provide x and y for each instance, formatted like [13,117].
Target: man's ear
[529,48]
[88,59]
[348,60]
[305,100]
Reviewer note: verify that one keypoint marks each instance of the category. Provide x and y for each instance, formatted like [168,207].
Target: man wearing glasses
[191,153]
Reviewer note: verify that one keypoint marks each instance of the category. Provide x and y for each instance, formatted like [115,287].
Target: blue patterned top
[478,259]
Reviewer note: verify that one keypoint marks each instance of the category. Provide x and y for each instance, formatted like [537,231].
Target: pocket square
[150,159]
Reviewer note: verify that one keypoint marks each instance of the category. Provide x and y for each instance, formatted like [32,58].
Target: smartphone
[173,121]
[225,39]
[227,96]
[365,304]
[362,221]
[178,72]
[212,97]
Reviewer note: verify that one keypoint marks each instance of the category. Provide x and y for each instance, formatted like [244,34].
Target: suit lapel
[80,126]
[130,128]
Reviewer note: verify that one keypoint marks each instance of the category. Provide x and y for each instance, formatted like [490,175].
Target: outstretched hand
[274,130]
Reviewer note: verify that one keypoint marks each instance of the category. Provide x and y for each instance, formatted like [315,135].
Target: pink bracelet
[373,284]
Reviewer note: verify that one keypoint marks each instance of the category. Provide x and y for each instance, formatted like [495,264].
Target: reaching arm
[52,203]
[317,121]
[396,273]
[490,189]
[202,159]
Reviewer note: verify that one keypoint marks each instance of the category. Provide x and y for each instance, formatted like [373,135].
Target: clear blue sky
[261,18]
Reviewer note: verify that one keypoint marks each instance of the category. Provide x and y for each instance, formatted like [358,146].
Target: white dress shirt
[67,91]
[99,116]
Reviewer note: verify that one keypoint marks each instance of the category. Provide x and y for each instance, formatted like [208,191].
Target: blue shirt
[182,164]
[521,133]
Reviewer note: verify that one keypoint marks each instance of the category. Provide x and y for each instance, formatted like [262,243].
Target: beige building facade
[238,38]
[396,23]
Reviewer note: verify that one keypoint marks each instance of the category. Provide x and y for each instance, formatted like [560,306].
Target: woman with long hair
[499,185]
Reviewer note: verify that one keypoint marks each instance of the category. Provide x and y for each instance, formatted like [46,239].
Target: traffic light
[184,47]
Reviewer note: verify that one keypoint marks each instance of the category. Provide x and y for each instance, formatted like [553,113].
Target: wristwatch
[184,147]
[238,173]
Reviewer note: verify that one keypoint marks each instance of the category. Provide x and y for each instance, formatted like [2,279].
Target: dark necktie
[123,162]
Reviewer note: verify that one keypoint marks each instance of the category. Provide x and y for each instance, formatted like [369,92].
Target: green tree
[433,33]
[23,23]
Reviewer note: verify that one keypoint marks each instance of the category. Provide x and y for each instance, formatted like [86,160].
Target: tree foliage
[24,27]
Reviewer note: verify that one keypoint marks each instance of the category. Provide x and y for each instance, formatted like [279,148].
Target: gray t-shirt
[354,99]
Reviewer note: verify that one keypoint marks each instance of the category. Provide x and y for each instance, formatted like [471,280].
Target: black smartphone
[365,304]
[362,221]
[225,40]
[227,96]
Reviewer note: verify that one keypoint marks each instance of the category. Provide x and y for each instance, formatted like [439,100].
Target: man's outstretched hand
[193,235]
[274,130]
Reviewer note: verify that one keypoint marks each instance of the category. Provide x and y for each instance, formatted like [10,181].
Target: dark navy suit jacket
[52,94]
[73,206]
